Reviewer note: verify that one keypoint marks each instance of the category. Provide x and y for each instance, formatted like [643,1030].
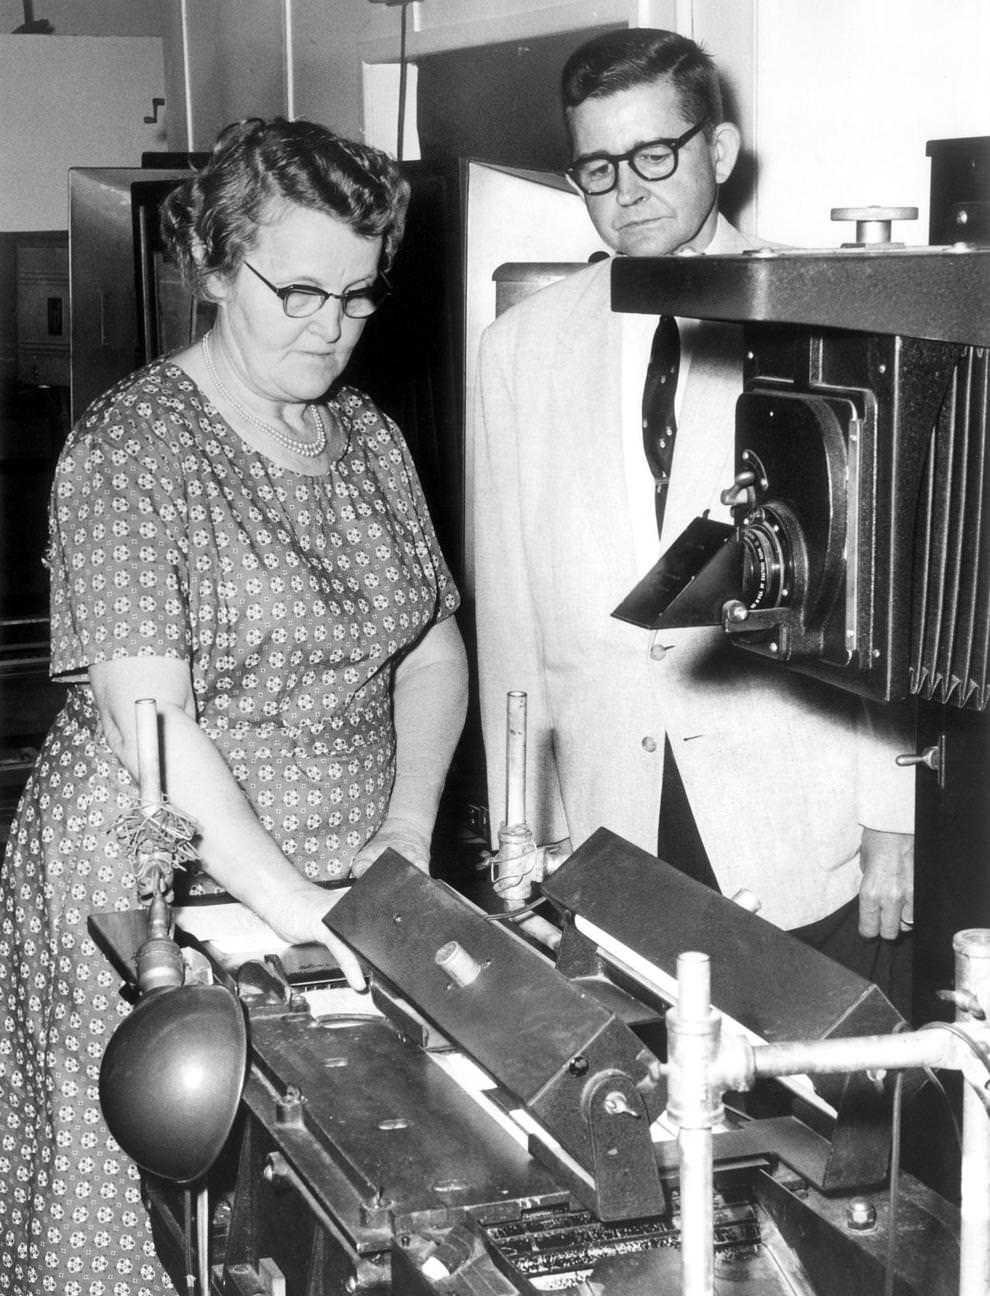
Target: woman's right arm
[234,847]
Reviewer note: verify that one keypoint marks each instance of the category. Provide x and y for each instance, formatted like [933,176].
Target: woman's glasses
[300,300]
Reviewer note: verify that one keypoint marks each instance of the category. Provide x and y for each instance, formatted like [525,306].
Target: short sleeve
[117,548]
[403,493]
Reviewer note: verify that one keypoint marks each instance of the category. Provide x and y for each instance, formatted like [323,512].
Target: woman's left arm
[429,704]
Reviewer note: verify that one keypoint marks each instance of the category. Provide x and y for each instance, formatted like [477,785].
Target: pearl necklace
[307,449]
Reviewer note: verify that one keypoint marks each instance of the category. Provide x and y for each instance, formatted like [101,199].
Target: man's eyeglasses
[598,173]
[300,300]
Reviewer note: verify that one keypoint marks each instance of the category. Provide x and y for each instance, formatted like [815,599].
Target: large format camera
[860,551]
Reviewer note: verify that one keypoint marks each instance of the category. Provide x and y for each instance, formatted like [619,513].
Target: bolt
[616,1104]
[861,1214]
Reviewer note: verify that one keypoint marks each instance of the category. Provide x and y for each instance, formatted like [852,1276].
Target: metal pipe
[926,1048]
[697,1212]
[972,962]
[187,88]
[693,1038]
[515,759]
[700,1065]
[912,1049]
[148,757]
[288,60]
[516,865]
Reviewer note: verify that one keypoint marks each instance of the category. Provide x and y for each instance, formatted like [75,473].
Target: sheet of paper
[234,928]
[328,1002]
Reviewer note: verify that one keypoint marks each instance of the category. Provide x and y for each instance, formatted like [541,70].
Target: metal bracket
[626,1174]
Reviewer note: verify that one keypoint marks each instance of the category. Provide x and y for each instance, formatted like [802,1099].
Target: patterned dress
[291,597]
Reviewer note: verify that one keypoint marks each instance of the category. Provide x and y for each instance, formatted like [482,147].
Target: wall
[836,101]
[846,95]
[330,45]
[88,17]
[71,101]
[849,93]
[247,80]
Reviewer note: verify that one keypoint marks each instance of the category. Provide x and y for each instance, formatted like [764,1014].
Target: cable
[970,1043]
[956,1128]
[403,67]
[187,1247]
[894,1192]
[516,915]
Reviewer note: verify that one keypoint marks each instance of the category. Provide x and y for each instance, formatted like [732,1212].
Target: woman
[257,557]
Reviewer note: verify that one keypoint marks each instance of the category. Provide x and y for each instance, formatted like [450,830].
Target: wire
[956,1128]
[403,68]
[970,1043]
[894,1192]
[516,915]
[187,1248]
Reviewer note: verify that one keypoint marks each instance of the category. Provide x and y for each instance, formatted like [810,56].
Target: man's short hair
[634,56]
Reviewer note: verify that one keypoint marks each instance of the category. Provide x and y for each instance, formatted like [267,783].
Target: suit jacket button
[649,744]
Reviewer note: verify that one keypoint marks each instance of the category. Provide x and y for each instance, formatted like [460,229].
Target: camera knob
[873,223]
[734,612]
[741,492]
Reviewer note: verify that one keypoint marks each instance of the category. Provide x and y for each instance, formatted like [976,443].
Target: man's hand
[886,896]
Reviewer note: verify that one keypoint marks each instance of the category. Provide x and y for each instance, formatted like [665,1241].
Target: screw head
[861,1214]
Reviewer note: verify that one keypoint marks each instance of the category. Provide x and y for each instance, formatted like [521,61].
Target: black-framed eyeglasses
[301,300]
[598,173]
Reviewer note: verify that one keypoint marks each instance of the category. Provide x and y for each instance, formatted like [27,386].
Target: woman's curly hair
[211,221]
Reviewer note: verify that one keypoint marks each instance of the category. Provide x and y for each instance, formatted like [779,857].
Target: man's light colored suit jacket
[781,773]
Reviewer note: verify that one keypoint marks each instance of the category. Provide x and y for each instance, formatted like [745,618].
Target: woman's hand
[233,846]
[297,916]
[411,842]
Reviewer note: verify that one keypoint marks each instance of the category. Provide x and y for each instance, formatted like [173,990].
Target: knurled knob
[873,223]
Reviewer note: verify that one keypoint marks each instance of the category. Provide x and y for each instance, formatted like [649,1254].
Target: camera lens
[767,567]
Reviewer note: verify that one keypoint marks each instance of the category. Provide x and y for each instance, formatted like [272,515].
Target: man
[774,785]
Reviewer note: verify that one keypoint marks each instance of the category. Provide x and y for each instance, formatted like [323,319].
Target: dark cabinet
[32,427]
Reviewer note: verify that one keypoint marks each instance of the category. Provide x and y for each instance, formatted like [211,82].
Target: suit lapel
[592,472]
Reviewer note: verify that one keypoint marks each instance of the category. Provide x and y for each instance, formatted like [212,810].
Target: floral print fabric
[291,597]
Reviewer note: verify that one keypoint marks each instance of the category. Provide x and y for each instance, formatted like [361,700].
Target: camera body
[837,435]
[860,550]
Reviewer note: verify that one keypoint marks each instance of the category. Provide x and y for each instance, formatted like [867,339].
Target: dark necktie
[678,840]
[659,423]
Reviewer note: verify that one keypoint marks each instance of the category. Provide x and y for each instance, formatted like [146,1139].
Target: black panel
[960,190]
[410,358]
[499,103]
